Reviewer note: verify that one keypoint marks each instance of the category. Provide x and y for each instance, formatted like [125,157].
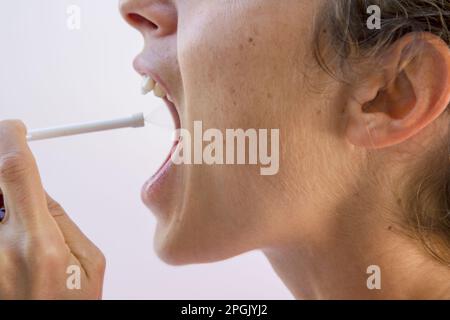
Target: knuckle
[50,258]
[45,255]
[16,126]
[13,164]
[55,207]
[99,261]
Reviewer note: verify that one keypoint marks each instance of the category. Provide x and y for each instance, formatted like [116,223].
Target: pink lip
[142,69]
[152,190]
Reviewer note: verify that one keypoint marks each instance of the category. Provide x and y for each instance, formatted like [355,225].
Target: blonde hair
[343,28]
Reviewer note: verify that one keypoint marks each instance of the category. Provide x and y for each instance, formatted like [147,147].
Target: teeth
[169,98]
[148,84]
[159,91]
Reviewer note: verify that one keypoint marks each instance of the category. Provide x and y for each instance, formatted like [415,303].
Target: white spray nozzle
[134,121]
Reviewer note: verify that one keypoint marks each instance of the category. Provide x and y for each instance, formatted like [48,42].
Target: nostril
[139,21]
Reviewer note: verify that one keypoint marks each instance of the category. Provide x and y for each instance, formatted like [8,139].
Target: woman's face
[236,64]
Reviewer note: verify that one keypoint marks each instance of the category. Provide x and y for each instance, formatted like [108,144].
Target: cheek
[231,66]
[239,71]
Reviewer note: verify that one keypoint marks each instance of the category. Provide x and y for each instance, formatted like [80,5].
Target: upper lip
[143,69]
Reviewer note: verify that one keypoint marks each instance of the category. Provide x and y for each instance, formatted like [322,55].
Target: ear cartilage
[137,120]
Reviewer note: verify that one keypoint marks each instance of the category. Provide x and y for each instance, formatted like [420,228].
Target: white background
[51,75]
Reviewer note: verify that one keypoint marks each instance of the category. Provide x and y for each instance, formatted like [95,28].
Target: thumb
[20,182]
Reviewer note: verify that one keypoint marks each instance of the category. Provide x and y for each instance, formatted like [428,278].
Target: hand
[42,252]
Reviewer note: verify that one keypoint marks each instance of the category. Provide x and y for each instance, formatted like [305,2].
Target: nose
[155,18]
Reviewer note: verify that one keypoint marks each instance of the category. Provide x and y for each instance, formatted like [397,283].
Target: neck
[334,264]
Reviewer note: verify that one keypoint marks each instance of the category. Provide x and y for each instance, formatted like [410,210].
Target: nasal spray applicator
[137,120]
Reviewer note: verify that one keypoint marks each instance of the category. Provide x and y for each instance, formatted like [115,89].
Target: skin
[321,223]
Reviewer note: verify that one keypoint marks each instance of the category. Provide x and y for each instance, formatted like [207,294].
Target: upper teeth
[148,85]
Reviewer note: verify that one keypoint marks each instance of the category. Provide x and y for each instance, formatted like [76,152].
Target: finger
[87,254]
[19,176]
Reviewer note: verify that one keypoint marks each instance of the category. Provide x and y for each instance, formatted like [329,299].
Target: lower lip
[154,189]
[150,191]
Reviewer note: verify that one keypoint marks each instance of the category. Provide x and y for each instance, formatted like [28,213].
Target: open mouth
[149,84]
[176,140]
[174,113]
[177,125]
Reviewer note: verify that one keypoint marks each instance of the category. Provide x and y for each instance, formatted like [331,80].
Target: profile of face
[244,64]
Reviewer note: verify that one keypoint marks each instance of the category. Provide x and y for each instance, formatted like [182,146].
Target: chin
[197,224]
[168,248]
[182,243]
[178,248]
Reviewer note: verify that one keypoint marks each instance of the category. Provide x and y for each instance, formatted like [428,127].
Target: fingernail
[2,214]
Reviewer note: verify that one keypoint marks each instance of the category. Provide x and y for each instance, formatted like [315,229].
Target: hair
[343,29]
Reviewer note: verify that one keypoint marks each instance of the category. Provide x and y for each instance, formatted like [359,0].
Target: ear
[411,90]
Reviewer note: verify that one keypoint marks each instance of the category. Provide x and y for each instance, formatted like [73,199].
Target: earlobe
[409,92]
